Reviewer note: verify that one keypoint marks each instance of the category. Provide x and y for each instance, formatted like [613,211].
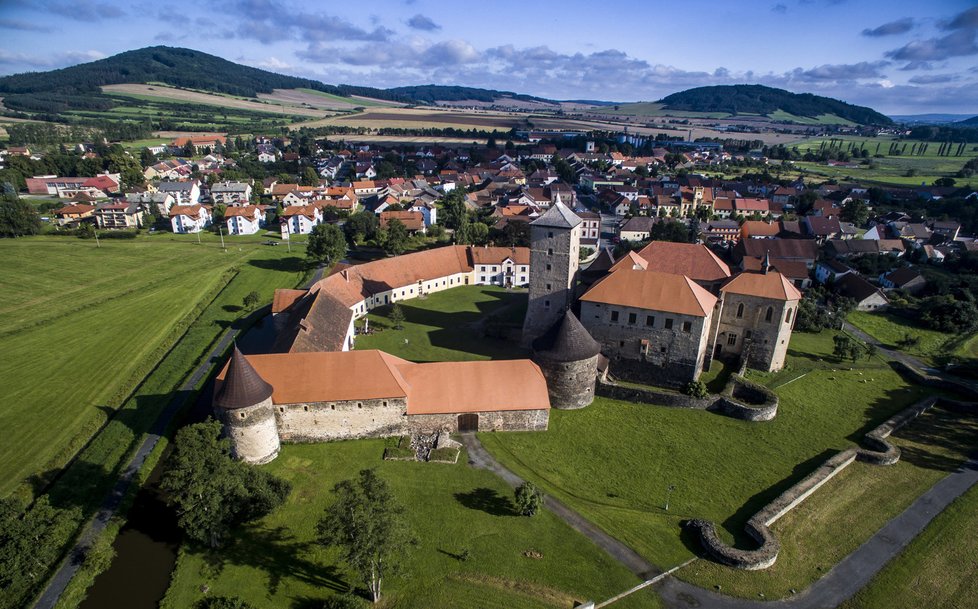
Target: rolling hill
[970,122]
[767,101]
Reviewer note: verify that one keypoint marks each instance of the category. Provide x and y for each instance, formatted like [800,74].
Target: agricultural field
[653,109]
[472,551]
[409,118]
[319,99]
[81,326]
[822,119]
[165,94]
[722,469]
[442,326]
[900,170]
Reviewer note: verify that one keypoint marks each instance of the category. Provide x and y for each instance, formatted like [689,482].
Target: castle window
[385,403]
[631,318]
[281,409]
[748,334]
[614,316]
[687,326]
[550,251]
[359,404]
[787,317]
[549,286]
[770,314]
[305,408]
[546,304]
[242,415]
[332,406]
[668,324]
[548,267]
[621,343]
[740,310]
[732,340]
[649,320]
[550,234]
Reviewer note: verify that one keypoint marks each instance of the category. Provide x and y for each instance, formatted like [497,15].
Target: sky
[896,56]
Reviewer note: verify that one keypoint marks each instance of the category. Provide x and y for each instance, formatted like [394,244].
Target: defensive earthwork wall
[879,452]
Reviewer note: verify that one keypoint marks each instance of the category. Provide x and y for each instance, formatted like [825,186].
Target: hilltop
[970,121]
[767,101]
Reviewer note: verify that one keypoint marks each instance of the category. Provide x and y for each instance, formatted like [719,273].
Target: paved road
[843,581]
[855,570]
[479,457]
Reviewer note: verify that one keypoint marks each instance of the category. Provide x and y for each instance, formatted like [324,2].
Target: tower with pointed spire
[568,357]
[243,403]
[554,242]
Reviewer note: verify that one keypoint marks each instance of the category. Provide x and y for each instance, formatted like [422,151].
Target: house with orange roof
[244,219]
[652,325]
[189,218]
[694,260]
[74,213]
[413,221]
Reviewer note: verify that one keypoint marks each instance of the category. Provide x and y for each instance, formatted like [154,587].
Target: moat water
[146,547]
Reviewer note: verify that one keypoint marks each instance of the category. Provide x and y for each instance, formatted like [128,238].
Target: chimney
[766,263]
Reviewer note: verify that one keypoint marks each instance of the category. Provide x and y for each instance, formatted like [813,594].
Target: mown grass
[442,326]
[890,329]
[841,515]
[614,461]
[450,509]
[80,328]
[937,568]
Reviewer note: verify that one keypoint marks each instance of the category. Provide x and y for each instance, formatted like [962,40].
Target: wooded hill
[758,99]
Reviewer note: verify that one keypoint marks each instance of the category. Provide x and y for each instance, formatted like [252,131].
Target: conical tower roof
[242,386]
[566,341]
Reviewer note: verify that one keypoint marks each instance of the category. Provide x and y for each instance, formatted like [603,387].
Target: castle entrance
[468,423]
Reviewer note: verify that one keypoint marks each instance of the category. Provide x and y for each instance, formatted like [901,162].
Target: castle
[660,315]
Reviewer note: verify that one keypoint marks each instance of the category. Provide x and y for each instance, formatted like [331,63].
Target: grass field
[890,329]
[890,169]
[440,327]
[931,572]
[165,94]
[614,461]
[834,521]
[409,118]
[652,109]
[514,562]
[81,326]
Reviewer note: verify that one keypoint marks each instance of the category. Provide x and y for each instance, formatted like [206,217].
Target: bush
[343,601]
[223,602]
[696,389]
[529,499]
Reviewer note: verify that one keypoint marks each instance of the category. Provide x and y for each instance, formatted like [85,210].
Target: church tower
[243,403]
[554,243]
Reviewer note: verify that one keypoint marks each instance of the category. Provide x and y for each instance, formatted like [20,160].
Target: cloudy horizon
[898,57]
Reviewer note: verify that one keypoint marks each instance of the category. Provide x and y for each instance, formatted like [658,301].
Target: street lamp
[669,491]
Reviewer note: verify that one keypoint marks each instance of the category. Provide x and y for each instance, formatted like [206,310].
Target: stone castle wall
[570,384]
[768,339]
[553,277]
[253,433]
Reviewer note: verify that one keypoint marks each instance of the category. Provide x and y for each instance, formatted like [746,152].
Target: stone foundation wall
[675,374]
[748,401]
[500,420]
[651,396]
[324,421]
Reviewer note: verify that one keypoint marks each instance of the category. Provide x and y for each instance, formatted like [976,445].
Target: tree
[309,177]
[17,217]
[326,244]
[850,348]
[529,499]
[396,316]
[360,227]
[212,492]
[223,602]
[367,524]
[146,157]
[251,300]
[397,237]
[806,201]
[453,209]
[855,211]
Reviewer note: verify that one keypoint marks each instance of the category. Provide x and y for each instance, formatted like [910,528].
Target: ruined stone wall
[499,420]
[650,396]
[570,384]
[252,430]
[768,339]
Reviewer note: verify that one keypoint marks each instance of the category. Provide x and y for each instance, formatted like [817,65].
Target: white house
[299,219]
[244,219]
[231,193]
[267,157]
[189,218]
[184,193]
[508,267]
[427,210]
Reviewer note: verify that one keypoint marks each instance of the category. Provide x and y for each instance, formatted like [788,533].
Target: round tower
[568,357]
[243,402]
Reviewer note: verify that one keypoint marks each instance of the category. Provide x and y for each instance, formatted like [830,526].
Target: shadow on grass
[288,264]
[487,500]
[942,439]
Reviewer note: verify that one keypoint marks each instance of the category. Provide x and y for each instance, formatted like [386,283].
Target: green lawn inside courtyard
[443,326]
[514,562]
[890,329]
[615,461]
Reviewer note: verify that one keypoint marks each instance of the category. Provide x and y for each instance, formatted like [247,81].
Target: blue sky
[898,56]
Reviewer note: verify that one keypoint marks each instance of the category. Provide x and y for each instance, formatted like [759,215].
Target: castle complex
[660,315]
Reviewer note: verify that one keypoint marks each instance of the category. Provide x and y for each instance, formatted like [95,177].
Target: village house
[162,201]
[830,271]
[413,221]
[230,193]
[244,219]
[867,296]
[74,213]
[299,219]
[119,215]
[189,218]
[590,228]
[184,193]
[908,279]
